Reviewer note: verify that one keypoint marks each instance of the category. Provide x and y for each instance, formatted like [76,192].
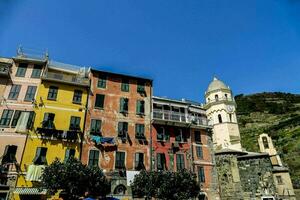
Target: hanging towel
[101,140]
[34,172]
[21,126]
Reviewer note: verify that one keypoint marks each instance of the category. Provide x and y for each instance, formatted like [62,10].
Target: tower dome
[216,84]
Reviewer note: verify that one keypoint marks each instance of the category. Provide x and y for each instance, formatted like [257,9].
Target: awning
[30,191]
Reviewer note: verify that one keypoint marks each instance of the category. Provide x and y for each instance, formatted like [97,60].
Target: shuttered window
[197,136]
[140,131]
[6,117]
[160,161]
[16,117]
[70,153]
[77,96]
[30,93]
[40,156]
[95,126]
[125,85]
[120,160]
[140,107]
[179,161]
[101,82]
[122,129]
[48,121]
[14,92]
[9,155]
[99,102]
[74,123]
[123,105]
[36,72]
[21,71]
[139,161]
[199,152]
[201,174]
[52,94]
[93,158]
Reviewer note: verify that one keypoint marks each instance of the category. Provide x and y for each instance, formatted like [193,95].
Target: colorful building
[22,81]
[117,129]
[182,139]
[60,108]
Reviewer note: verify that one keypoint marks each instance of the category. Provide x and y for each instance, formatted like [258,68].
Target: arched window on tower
[226,97]
[265,142]
[216,97]
[230,117]
[220,118]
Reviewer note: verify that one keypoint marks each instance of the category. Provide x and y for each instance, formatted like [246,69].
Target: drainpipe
[151,112]
[85,114]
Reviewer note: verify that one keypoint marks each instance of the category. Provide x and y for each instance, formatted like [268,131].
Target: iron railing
[178,117]
[67,78]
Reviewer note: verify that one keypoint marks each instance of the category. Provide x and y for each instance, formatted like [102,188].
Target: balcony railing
[178,117]
[4,70]
[66,78]
[28,53]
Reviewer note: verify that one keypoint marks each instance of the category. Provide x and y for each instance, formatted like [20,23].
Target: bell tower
[221,113]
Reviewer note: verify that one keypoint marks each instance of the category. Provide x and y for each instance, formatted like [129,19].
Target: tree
[74,179]
[166,185]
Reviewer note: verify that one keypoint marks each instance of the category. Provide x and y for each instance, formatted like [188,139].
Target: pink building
[18,85]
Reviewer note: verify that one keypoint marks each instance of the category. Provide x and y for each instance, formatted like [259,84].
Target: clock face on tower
[230,108]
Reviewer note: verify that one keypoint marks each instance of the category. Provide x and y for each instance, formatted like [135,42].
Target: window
[178,135]
[140,131]
[30,93]
[120,160]
[70,153]
[99,103]
[93,158]
[226,97]
[201,174]
[40,156]
[101,82]
[95,127]
[197,136]
[220,118]
[74,123]
[279,179]
[139,161]
[140,107]
[124,105]
[30,120]
[16,118]
[230,117]
[160,161]
[199,152]
[48,121]
[160,133]
[9,155]
[52,94]
[36,72]
[125,85]
[141,87]
[6,117]
[216,97]
[122,129]
[21,70]
[179,162]
[14,92]
[77,96]
[265,142]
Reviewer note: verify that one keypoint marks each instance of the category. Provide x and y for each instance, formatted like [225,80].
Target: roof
[254,155]
[183,101]
[230,151]
[216,84]
[119,74]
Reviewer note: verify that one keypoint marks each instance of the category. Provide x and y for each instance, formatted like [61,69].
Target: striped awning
[30,191]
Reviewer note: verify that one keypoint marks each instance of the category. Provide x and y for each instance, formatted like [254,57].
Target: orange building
[117,127]
[181,138]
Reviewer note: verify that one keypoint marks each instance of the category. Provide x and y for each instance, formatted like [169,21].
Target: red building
[181,138]
[117,127]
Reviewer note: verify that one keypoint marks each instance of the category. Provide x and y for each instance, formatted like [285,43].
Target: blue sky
[254,46]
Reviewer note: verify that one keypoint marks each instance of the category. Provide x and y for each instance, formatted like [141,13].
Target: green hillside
[277,114]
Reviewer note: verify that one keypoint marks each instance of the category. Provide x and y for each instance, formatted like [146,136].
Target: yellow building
[60,107]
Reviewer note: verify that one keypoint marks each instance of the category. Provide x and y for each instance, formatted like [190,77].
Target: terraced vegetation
[277,114]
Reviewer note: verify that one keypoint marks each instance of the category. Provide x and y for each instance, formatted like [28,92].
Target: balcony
[220,99]
[73,79]
[182,118]
[4,70]
[70,135]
